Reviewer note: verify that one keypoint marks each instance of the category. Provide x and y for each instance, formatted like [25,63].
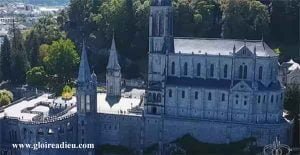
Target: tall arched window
[245,72]
[154,97]
[161,25]
[260,72]
[185,69]
[272,99]
[196,95]
[173,68]
[198,69]
[183,94]
[241,72]
[150,96]
[212,68]
[158,97]
[209,96]
[170,93]
[225,71]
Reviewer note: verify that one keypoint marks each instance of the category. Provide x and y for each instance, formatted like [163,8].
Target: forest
[48,53]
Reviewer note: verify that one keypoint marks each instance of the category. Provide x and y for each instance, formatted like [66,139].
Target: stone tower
[161,43]
[113,73]
[86,99]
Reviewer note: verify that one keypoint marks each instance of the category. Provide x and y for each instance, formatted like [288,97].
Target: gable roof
[220,46]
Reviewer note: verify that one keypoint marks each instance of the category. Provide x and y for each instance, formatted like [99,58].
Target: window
[225,71]
[212,68]
[241,72]
[150,96]
[154,97]
[196,95]
[272,99]
[223,97]
[173,68]
[260,72]
[258,99]
[170,93]
[158,97]
[245,72]
[185,70]
[82,103]
[264,98]
[236,101]
[209,96]
[245,103]
[198,69]
[88,100]
[183,94]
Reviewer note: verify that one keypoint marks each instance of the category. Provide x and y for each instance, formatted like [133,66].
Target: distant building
[290,73]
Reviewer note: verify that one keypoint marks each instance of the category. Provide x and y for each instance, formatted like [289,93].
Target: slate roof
[113,62]
[84,73]
[216,84]
[222,46]
[199,82]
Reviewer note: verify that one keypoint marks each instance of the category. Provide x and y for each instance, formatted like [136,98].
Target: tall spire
[113,62]
[84,74]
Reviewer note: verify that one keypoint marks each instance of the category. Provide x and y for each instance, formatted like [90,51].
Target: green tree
[244,19]
[67,92]
[6,97]
[32,44]
[62,59]
[291,104]
[37,77]
[20,63]
[5,62]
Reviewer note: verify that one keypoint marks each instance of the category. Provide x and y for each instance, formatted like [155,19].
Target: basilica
[217,90]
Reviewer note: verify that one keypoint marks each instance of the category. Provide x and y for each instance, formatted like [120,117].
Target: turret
[86,86]
[113,73]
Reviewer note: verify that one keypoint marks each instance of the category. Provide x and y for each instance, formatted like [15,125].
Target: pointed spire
[84,74]
[113,62]
[234,48]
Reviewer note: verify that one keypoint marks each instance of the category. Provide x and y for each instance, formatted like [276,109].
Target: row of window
[223,96]
[209,97]
[243,70]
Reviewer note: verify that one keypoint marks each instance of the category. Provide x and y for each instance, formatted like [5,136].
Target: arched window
[154,97]
[158,97]
[183,94]
[209,96]
[196,95]
[272,99]
[212,68]
[161,25]
[198,69]
[170,93]
[258,99]
[150,96]
[173,68]
[223,97]
[185,69]
[245,72]
[241,72]
[225,71]
[260,73]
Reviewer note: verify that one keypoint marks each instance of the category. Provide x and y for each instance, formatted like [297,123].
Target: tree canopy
[62,59]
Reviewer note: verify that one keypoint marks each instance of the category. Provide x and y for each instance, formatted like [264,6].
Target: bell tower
[86,95]
[113,73]
[161,43]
